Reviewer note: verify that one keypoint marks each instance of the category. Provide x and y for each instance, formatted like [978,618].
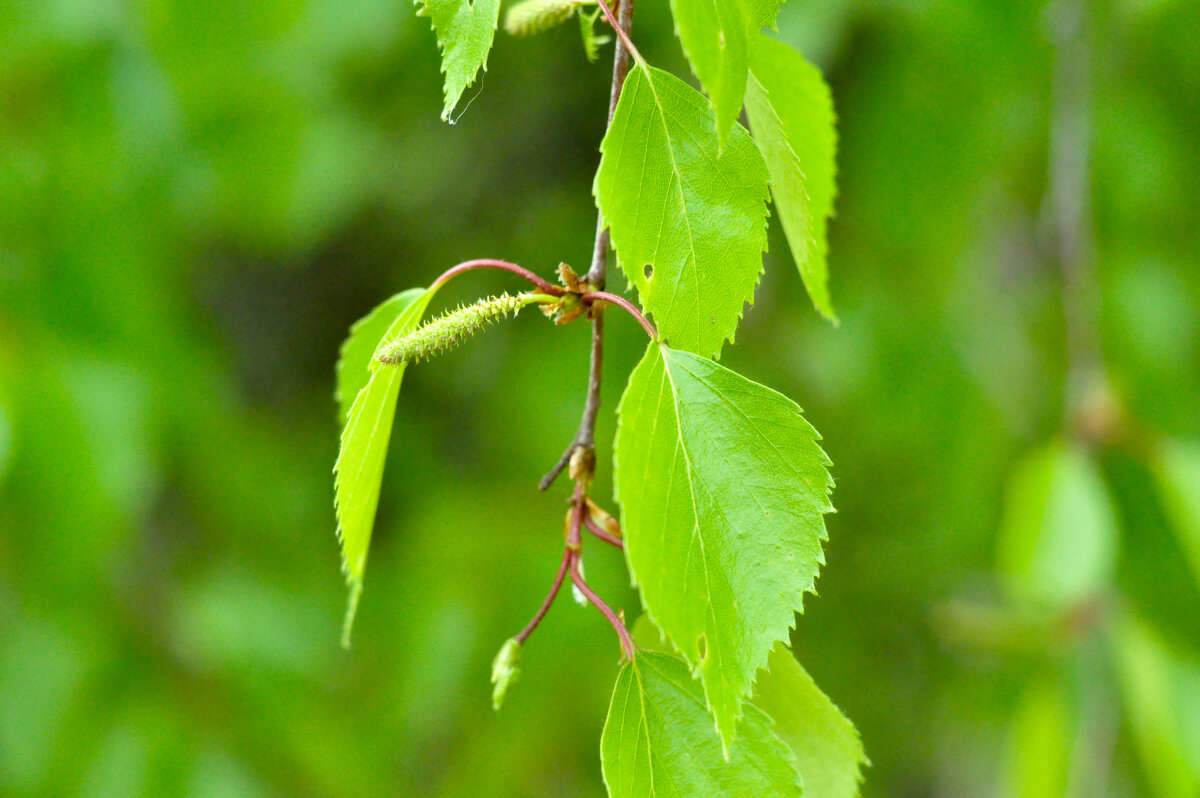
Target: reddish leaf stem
[625,304]
[503,265]
[598,603]
[599,532]
[621,32]
[524,634]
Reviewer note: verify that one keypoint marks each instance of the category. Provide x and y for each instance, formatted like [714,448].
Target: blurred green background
[198,198]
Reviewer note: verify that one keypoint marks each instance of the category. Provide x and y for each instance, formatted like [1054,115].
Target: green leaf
[829,752]
[1042,734]
[464,31]
[1176,469]
[695,218]
[717,36]
[1161,693]
[592,41]
[359,468]
[1058,540]
[722,488]
[536,16]
[353,366]
[791,116]
[658,740]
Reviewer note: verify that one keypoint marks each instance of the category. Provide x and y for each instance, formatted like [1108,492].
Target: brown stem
[585,436]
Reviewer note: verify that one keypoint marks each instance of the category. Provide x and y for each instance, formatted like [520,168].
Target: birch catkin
[447,330]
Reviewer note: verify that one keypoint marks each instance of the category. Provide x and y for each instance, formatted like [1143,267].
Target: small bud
[506,669]
[576,593]
[601,517]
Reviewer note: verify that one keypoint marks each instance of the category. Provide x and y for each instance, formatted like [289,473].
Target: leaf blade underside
[792,119]
[358,472]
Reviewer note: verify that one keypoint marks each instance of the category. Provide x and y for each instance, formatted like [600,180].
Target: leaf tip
[351,611]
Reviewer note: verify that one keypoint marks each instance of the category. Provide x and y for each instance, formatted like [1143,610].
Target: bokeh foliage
[199,198]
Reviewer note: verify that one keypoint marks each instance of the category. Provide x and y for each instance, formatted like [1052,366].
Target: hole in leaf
[648,270]
[702,647]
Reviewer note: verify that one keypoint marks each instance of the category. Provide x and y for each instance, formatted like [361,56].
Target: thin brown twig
[585,436]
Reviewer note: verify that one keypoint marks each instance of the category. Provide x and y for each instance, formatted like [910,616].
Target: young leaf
[1058,541]
[353,366]
[535,16]
[464,31]
[722,488]
[688,224]
[658,740]
[359,468]
[829,752]
[717,36]
[792,119]
[1176,469]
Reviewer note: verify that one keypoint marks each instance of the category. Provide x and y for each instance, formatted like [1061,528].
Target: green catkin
[449,329]
[535,16]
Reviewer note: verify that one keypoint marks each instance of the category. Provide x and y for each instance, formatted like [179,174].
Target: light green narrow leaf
[1161,693]
[791,116]
[1058,540]
[717,36]
[1041,737]
[1176,468]
[829,752]
[354,361]
[722,489]
[464,31]
[688,224]
[359,468]
[658,741]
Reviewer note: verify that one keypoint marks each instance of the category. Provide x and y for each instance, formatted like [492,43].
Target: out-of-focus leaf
[1176,469]
[688,222]
[1058,541]
[465,31]
[359,467]
[1161,694]
[659,741]
[354,363]
[717,36]
[791,116]
[723,489]
[1040,742]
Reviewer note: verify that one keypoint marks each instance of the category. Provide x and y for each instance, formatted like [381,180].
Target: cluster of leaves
[721,482]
